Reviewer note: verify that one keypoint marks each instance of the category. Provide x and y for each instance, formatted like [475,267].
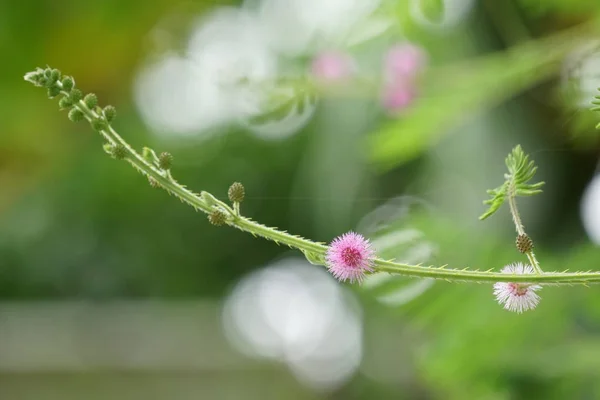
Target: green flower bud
[54,75]
[165,160]
[75,115]
[109,113]
[119,152]
[236,192]
[53,91]
[48,73]
[65,102]
[217,217]
[76,95]
[90,100]
[68,83]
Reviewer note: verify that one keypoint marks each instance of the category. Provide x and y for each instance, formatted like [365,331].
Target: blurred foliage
[76,224]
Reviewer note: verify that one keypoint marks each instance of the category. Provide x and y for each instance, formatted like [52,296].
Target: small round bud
[55,75]
[76,95]
[217,217]
[53,91]
[68,83]
[119,152]
[165,160]
[36,77]
[236,192]
[98,124]
[75,115]
[524,243]
[65,102]
[90,100]
[153,182]
[48,73]
[109,113]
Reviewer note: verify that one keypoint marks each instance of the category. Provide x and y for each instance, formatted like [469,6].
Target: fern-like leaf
[520,171]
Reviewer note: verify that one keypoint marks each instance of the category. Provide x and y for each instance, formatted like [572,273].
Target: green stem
[206,203]
[512,202]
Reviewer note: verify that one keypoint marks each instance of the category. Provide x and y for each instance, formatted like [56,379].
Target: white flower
[517,297]
[208,89]
[174,99]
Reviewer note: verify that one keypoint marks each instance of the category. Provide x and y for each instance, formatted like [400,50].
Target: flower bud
[68,83]
[54,75]
[53,91]
[236,192]
[65,102]
[75,115]
[116,151]
[119,152]
[109,113]
[524,243]
[217,217]
[90,100]
[165,160]
[76,95]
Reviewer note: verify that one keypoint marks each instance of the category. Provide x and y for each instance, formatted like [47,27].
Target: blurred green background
[113,289]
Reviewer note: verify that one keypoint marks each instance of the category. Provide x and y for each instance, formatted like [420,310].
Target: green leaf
[520,171]
[454,93]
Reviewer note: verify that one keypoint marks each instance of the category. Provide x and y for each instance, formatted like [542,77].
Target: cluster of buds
[80,106]
[236,194]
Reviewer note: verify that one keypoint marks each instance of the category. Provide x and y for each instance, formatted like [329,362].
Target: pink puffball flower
[350,257]
[397,96]
[333,66]
[517,297]
[404,61]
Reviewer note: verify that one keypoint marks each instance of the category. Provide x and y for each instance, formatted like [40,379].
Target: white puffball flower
[590,210]
[517,297]
[213,85]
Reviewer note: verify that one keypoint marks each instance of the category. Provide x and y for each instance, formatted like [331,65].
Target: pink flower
[517,297]
[398,96]
[404,61]
[401,65]
[349,257]
[333,66]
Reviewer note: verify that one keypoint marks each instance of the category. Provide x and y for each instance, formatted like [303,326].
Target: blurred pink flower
[333,66]
[404,61]
[517,297]
[401,65]
[349,257]
[398,95]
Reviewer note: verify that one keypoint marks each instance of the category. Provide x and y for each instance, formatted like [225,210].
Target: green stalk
[314,251]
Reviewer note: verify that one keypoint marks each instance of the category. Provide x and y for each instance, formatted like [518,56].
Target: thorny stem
[206,203]
[512,202]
